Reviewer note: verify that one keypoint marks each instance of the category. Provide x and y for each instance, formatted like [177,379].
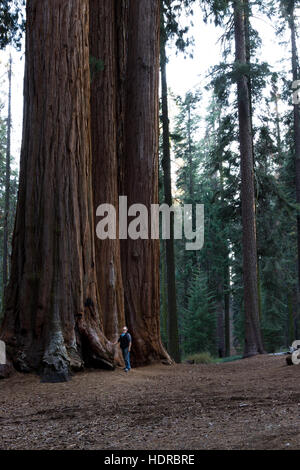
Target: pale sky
[183,74]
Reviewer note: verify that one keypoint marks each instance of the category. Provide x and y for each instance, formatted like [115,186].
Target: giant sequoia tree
[65,296]
[172,323]
[52,309]
[124,36]
[139,177]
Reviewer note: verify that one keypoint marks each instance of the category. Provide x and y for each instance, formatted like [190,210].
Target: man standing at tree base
[125,344]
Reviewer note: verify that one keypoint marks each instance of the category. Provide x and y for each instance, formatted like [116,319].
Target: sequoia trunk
[52,312]
[253,340]
[139,179]
[104,97]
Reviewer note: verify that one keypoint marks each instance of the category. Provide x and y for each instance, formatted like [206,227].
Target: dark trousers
[126,356]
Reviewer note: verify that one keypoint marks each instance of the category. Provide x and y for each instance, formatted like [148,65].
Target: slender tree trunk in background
[140,258]
[276,97]
[122,12]
[189,256]
[52,315]
[7,182]
[249,82]
[248,61]
[291,320]
[104,96]
[295,71]
[226,280]
[227,306]
[253,340]
[164,295]
[190,159]
[173,340]
[220,318]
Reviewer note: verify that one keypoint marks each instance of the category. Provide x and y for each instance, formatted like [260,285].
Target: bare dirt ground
[248,404]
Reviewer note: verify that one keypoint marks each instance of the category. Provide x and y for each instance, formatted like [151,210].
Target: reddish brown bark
[104,95]
[52,314]
[253,340]
[139,179]
[115,28]
[173,337]
[53,318]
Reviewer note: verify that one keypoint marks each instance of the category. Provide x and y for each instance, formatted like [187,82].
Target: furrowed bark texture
[173,339]
[139,179]
[52,315]
[253,340]
[104,95]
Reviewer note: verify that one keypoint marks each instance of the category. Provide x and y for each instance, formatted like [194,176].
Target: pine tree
[253,340]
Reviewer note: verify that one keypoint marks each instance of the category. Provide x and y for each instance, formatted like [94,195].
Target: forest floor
[248,404]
